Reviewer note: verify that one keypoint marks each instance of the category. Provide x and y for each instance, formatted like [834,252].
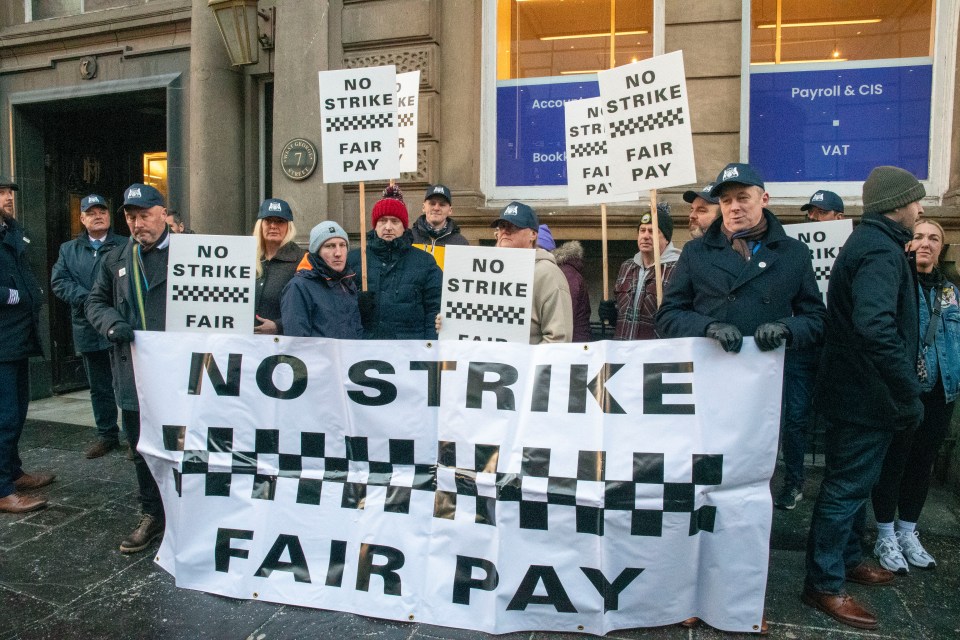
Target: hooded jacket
[71,280]
[635,293]
[406,284]
[319,302]
[569,257]
[552,313]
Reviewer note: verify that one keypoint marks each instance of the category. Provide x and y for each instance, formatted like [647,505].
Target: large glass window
[44,9]
[548,52]
[837,88]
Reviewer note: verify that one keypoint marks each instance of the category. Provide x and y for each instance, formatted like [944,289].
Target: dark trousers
[799,371]
[15,386]
[905,477]
[854,456]
[100,379]
[150,501]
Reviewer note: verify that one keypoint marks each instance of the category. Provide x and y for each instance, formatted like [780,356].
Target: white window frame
[941,117]
[28,9]
[552,195]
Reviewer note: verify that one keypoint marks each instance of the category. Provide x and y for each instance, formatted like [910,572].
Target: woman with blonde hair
[277,259]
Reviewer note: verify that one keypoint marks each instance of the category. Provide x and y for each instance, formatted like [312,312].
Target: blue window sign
[530,132]
[838,124]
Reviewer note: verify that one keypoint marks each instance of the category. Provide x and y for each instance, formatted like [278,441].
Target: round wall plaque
[298,159]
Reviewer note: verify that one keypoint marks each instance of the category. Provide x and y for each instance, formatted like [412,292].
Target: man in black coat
[130,292]
[745,276]
[866,386]
[20,301]
[71,279]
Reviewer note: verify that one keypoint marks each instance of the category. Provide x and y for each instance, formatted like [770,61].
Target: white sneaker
[913,551]
[889,555]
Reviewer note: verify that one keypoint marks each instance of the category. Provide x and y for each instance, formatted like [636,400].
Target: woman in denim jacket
[905,478]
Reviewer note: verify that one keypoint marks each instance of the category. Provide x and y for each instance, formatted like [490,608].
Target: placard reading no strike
[358,110]
[487,294]
[211,283]
[588,162]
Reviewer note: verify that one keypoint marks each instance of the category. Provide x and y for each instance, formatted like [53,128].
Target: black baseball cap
[438,190]
[690,196]
[7,182]
[736,173]
[143,196]
[92,200]
[518,214]
[275,208]
[826,200]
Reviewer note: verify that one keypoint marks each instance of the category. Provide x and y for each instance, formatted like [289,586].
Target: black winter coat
[72,278]
[712,283]
[277,272]
[113,299]
[867,372]
[321,304]
[424,234]
[18,322]
[406,283]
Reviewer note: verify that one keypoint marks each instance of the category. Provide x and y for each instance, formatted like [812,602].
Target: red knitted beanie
[391,205]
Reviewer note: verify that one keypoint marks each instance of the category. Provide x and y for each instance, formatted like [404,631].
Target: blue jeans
[799,371]
[15,384]
[100,379]
[854,457]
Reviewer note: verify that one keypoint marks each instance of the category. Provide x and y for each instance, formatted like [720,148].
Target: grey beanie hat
[889,188]
[323,232]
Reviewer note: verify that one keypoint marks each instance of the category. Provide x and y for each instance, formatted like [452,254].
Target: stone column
[301,51]
[216,130]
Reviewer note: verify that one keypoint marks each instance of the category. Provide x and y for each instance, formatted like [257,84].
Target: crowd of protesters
[878,364]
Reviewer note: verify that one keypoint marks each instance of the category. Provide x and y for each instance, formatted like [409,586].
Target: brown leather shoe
[33,481]
[15,503]
[101,448]
[690,623]
[148,530]
[841,607]
[869,575]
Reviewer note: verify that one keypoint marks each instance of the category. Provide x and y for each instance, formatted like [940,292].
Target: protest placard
[588,166]
[408,100]
[487,294]
[211,283]
[499,488]
[358,110]
[648,121]
[824,240]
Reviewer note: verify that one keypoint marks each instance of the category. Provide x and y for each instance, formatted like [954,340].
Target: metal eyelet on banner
[586,347]
[579,627]
[410,616]
[256,595]
[276,339]
[429,345]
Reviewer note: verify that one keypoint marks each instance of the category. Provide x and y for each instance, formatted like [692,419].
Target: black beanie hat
[664,221]
[889,188]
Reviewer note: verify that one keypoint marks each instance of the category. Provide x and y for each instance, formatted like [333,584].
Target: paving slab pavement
[62,575]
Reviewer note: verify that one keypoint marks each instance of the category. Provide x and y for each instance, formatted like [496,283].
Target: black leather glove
[607,311]
[771,335]
[368,307]
[120,333]
[726,334]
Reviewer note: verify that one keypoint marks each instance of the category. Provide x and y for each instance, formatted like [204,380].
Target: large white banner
[211,283]
[487,294]
[825,240]
[588,163]
[408,98]
[492,487]
[648,119]
[358,112]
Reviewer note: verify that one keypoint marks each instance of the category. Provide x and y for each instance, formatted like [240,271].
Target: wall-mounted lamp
[237,20]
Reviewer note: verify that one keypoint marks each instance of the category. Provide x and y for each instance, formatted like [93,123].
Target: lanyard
[140,281]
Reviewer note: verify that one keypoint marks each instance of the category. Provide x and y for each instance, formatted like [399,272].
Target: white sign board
[487,294]
[517,496]
[648,120]
[588,168]
[824,240]
[211,283]
[408,99]
[358,112]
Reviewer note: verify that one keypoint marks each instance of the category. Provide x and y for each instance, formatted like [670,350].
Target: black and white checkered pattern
[499,313]
[479,489]
[360,122]
[649,122]
[587,149]
[405,120]
[822,273]
[210,293]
